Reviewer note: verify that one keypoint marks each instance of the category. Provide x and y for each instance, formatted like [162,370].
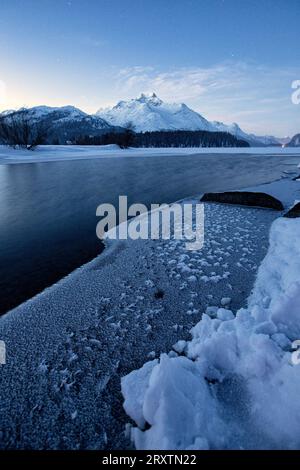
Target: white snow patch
[179,346]
[236,387]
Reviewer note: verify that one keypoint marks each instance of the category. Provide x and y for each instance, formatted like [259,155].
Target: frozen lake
[48,210]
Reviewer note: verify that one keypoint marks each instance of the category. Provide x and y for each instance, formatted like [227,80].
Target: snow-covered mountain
[63,124]
[146,113]
[254,140]
[150,113]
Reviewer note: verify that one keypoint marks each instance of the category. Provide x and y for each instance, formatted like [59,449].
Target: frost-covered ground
[234,385]
[48,153]
[69,347]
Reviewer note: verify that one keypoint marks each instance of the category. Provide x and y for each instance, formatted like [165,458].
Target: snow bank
[235,386]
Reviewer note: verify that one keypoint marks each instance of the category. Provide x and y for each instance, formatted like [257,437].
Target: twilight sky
[230,60]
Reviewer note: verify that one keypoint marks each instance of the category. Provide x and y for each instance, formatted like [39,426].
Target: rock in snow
[244,198]
[294,212]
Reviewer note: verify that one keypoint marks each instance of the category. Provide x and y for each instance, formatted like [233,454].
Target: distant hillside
[61,125]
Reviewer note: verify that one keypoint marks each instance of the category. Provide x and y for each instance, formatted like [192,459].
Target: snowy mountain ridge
[64,124]
[56,114]
[150,113]
[146,113]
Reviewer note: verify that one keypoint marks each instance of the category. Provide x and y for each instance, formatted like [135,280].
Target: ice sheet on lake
[48,153]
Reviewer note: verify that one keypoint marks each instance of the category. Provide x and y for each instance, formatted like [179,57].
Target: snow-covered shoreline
[68,347]
[52,153]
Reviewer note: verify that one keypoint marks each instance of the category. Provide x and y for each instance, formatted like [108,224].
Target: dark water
[48,210]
